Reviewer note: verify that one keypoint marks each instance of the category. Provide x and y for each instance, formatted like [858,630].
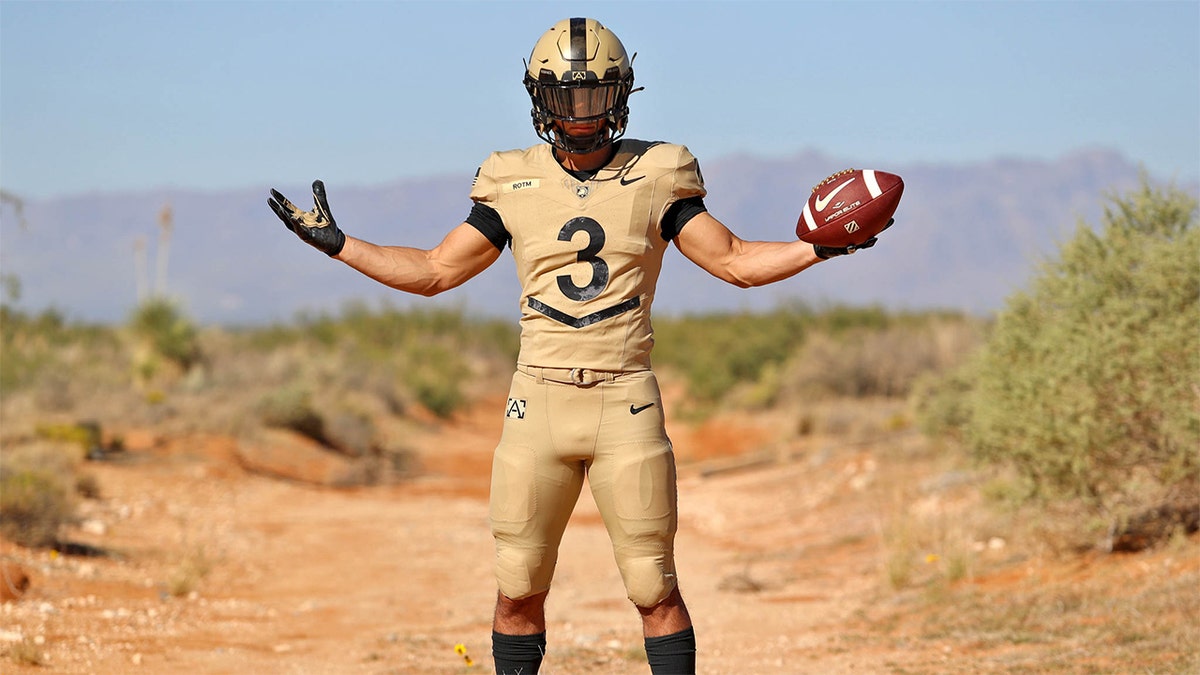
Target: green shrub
[429,352]
[1088,384]
[382,334]
[434,374]
[838,350]
[882,361]
[291,407]
[34,503]
[34,347]
[715,351]
[163,326]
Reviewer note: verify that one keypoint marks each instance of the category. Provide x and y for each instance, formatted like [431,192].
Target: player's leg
[519,634]
[667,617]
[632,478]
[532,495]
[644,548]
[669,638]
[526,553]
[531,502]
[524,616]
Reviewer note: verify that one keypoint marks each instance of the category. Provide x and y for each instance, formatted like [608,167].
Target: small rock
[95,527]
[740,583]
[14,581]
[293,456]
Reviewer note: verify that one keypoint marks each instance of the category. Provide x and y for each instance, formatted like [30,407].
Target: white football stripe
[872,184]
[808,219]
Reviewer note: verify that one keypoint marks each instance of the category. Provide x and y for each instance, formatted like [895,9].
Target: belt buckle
[577,376]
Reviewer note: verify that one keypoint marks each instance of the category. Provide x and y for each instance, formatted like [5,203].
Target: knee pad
[522,572]
[649,579]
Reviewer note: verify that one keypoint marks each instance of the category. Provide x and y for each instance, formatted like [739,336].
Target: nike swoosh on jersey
[821,203]
[630,181]
[635,410]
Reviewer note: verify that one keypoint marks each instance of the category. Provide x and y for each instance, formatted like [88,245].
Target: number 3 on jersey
[594,287]
[595,242]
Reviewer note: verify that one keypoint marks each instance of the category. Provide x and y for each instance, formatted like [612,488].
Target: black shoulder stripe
[485,219]
[678,215]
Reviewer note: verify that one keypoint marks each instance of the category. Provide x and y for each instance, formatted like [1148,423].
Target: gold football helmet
[579,72]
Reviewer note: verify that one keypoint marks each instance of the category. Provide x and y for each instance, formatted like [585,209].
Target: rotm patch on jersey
[523,184]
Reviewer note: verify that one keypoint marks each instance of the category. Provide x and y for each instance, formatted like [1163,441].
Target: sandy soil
[207,568]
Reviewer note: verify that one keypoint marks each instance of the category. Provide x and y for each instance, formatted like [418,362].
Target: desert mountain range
[967,236]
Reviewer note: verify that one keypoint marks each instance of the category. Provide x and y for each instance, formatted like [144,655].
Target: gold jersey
[588,252]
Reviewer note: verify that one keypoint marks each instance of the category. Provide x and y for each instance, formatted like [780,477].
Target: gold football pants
[562,426]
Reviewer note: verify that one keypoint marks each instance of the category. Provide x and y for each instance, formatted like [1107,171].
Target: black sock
[518,654]
[673,654]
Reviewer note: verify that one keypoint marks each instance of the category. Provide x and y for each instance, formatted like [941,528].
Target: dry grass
[26,652]
[1062,622]
[37,491]
[190,572]
[993,589]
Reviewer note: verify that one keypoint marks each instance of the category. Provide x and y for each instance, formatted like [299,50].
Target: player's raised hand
[316,227]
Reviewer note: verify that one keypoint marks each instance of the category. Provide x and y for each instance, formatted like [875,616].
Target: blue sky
[108,96]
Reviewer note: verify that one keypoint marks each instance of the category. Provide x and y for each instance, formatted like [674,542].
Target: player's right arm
[461,255]
[464,252]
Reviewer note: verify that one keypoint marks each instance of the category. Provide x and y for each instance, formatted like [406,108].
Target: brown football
[849,207]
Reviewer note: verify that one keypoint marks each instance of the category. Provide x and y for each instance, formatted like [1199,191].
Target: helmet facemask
[588,101]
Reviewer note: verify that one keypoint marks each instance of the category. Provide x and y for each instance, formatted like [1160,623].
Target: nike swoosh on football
[822,203]
[634,410]
[629,181]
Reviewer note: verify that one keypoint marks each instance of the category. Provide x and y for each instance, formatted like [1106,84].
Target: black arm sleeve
[678,215]
[485,219]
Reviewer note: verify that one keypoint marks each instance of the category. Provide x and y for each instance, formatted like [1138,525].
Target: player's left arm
[707,242]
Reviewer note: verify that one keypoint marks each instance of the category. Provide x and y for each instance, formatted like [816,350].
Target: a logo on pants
[516,408]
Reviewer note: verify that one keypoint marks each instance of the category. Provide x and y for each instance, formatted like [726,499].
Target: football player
[587,216]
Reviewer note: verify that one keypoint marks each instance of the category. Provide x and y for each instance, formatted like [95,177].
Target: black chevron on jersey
[584,321]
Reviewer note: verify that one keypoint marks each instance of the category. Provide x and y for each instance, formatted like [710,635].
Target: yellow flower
[931,558]
[460,649]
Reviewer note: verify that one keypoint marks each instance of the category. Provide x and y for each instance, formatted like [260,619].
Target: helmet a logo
[579,75]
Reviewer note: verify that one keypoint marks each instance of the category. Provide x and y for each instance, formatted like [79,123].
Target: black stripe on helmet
[578,55]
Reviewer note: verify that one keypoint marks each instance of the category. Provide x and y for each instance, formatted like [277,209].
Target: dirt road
[210,569]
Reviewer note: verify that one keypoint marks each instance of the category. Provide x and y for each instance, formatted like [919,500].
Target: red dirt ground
[210,569]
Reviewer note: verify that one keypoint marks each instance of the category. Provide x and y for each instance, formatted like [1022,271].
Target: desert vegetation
[1071,419]
[1087,388]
